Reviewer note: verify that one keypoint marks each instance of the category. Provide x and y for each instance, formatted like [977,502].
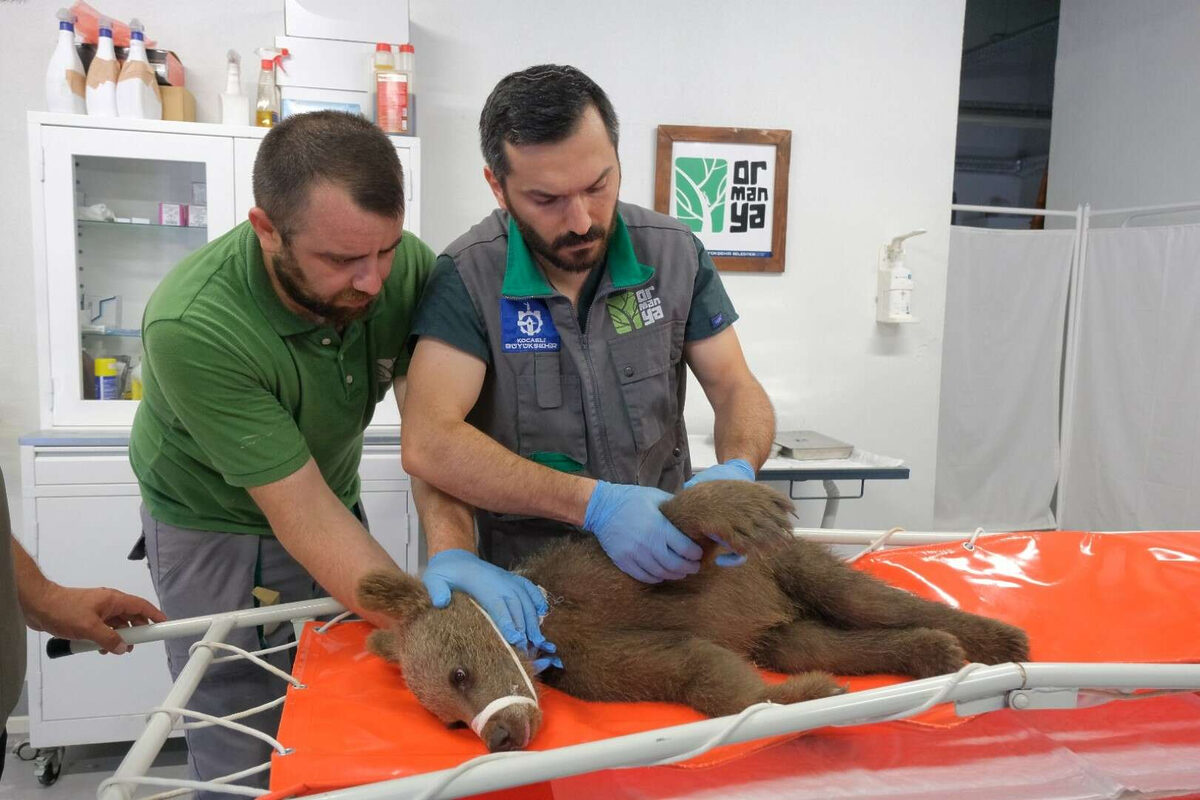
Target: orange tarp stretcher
[1082,597]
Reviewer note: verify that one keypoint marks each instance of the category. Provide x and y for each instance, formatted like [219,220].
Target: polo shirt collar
[523,277]
[282,319]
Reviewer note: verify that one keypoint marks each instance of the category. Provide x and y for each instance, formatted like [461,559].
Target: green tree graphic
[700,185]
[623,309]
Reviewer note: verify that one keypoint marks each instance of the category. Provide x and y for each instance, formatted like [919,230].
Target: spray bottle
[138,96]
[235,106]
[102,75]
[266,107]
[894,283]
[64,74]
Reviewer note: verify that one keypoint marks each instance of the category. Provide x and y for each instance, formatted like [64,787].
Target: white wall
[1126,122]
[869,90]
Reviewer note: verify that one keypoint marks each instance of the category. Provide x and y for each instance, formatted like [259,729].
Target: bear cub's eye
[459,678]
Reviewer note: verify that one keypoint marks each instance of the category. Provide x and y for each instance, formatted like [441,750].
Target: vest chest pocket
[645,368]
[551,427]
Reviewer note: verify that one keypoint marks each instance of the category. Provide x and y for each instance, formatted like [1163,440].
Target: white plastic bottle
[64,75]
[408,65]
[102,75]
[235,106]
[138,96]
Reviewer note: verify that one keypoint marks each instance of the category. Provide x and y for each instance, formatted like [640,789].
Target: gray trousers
[200,572]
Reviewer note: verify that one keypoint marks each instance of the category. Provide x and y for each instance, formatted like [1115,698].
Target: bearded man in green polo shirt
[549,377]
[265,354]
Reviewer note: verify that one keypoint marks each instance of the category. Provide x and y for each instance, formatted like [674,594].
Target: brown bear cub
[792,607]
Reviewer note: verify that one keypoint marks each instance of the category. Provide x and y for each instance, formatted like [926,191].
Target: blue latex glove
[635,534]
[542,662]
[513,602]
[735,469]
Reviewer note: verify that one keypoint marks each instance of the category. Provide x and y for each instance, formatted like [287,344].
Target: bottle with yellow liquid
[266,108]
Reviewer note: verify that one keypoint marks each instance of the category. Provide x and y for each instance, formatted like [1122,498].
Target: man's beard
[295,286]
[550,252]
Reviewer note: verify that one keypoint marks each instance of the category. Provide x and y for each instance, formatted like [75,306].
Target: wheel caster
[47,765]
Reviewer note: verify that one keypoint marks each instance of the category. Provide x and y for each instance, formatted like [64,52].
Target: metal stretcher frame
[974,690]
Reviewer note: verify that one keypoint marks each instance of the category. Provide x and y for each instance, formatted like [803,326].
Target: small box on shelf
[173,214]
[197,216]
[178,104]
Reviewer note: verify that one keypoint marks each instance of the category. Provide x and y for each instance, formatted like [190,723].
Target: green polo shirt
[240,392]
[447,313]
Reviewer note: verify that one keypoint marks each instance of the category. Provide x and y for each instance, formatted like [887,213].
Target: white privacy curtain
[1133,455]
[998,431]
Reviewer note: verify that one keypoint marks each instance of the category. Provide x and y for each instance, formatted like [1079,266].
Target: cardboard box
[299,99]
[360,21]
[178,104]
[326,64]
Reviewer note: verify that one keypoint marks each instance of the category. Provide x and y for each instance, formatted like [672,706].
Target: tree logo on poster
[700,190]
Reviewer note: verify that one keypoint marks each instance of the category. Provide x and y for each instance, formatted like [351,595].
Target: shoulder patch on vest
[526,326]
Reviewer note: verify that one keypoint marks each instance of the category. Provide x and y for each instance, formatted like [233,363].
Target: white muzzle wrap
[481,719]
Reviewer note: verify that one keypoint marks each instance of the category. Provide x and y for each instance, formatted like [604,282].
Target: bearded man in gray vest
[547,386]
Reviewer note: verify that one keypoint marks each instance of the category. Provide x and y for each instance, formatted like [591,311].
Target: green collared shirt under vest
[447,313]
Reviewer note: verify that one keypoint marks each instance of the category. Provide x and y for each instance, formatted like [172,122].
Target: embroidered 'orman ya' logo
[631,311]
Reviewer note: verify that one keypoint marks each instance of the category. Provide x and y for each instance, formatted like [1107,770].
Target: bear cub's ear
[397,594]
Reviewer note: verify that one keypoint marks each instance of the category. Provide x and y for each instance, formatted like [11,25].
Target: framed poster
[729,185]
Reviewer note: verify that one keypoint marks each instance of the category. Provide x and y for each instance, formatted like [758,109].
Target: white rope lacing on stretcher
[292,645]
[264,652]
[225,722]
[875,545]
[334,621]
[938,697]
[249,712]
[184,786]
[969,544]
[882,540]
[287,676]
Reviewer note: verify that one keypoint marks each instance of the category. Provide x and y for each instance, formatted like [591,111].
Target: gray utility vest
[607,403]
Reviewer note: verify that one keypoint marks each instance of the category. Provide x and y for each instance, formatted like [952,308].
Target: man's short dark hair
[326,147]
[539,105]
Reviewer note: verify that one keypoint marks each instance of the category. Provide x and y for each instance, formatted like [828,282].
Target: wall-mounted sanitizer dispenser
[894,283]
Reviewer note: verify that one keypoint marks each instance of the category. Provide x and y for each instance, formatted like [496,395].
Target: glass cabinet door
[121,209]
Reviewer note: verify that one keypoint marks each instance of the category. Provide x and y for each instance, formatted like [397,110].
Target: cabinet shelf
[112,223]
[129,333]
